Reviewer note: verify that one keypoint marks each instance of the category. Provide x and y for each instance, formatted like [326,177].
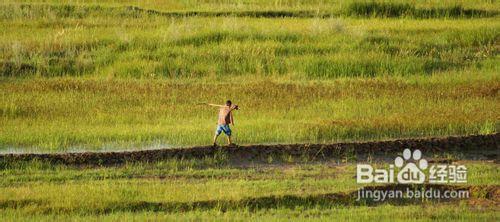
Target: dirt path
[474,147]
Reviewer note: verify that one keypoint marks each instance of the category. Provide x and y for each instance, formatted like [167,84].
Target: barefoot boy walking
[225,118]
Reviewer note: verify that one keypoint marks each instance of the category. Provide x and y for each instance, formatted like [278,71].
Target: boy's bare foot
[231,144]
[214,145]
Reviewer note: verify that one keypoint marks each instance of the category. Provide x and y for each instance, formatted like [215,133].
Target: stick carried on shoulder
[236,107]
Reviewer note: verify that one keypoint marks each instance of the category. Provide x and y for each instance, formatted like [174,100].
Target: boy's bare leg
[229,140]
[215,139]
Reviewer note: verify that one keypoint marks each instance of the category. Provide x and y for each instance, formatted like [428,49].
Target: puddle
[110,147]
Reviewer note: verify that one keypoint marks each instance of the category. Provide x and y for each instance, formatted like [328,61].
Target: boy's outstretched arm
[210,104]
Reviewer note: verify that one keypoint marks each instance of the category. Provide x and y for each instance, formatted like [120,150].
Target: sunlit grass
[62,114]
[107,192]
[124,81]
[115,75]
[194,47]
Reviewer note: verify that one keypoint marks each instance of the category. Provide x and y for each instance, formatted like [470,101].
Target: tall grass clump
[377,9]
[65,11]
[394,9]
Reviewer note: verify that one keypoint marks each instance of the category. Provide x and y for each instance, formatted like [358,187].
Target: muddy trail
[473,147]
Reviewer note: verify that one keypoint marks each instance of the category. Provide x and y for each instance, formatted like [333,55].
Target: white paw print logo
[410,172]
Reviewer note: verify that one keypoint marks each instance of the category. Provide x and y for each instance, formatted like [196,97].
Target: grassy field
[294,48]
[193,190]
[62,114]
[104,76]
[116,75]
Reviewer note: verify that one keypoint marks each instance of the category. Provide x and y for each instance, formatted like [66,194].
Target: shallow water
[111,147]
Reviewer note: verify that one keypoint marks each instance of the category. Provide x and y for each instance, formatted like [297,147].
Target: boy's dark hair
[228,103]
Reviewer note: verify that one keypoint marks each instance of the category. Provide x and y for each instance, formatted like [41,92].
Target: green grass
[100,75]
[430,212]
[388,9]
[332,6]
[114,75]
[66,114]
[312,48]
[36,191]
[354,9]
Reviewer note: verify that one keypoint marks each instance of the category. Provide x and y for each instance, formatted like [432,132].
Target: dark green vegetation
[389,10]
